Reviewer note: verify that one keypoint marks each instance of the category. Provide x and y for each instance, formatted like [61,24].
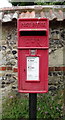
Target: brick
[63,68]
[51,68]
[56,68]
[59,68]
[9,68]
[2,68]
[15,70]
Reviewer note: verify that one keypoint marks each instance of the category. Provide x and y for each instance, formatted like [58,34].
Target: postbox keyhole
[24,70]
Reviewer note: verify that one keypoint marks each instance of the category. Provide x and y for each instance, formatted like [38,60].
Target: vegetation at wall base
[48,107]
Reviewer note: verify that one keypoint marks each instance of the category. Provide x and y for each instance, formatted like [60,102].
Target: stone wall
[9,53]
[8,49]
[56,55]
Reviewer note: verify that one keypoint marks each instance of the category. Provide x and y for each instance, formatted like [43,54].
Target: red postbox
[33,44]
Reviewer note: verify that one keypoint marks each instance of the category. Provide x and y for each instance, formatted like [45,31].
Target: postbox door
[33,71]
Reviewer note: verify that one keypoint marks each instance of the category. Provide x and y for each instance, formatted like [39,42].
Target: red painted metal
[33,43]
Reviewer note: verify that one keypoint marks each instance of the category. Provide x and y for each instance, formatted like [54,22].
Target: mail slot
[33,33]
[33,44]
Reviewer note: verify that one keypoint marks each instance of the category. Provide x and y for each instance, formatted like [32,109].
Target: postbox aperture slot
[33,33]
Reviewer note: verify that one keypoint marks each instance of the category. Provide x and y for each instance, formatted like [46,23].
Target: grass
[48,107]
[15,107]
